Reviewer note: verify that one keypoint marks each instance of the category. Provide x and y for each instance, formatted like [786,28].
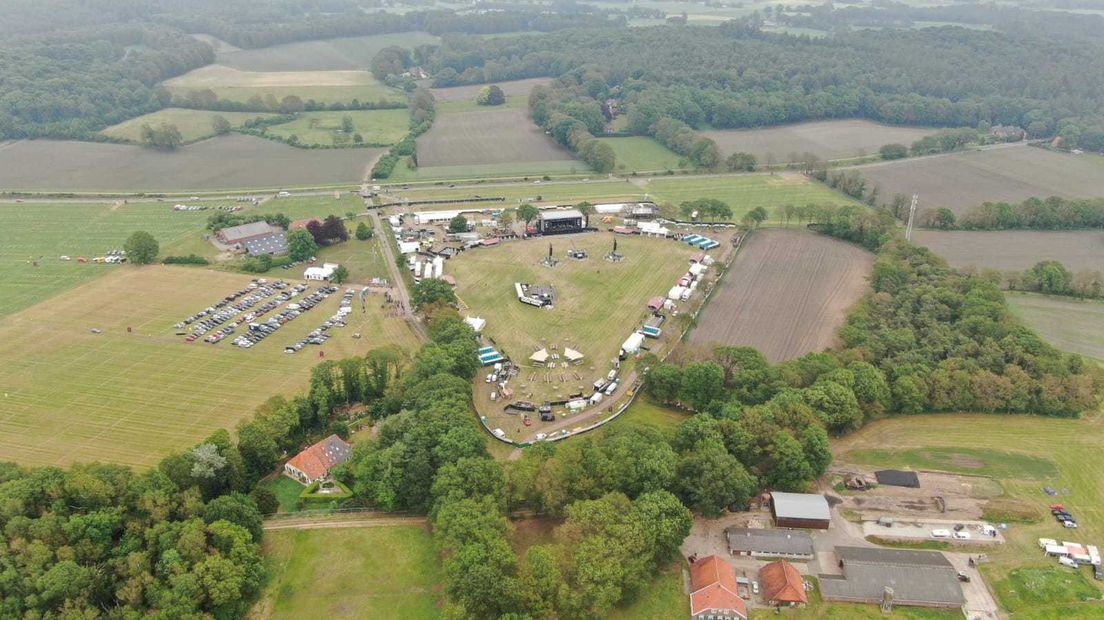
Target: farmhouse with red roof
[713,591]
[315,462]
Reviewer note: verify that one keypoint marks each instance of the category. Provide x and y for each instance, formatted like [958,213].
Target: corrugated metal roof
[769,542]
[800,506]
[916,577]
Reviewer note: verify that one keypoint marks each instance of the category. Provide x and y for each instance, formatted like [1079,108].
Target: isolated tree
[363,232]
[894,151]
[755,217]
[432,291]
[944,218]
[458,224]
[334,229]
[741,162]
[220,125]
[491,95]
[506,218]
[301,245]
[164,136]
[347,124]
[358,139]
[292,104]
[527,213]
[341,274]
[141,248]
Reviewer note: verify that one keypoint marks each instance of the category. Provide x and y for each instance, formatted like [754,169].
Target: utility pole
[912,216]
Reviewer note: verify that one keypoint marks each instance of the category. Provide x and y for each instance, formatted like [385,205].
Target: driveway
[980,603]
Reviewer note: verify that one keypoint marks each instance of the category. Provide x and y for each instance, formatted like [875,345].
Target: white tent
[539,357]
[572,355]
[697,269]
[631,346]
[408,247]
[477,324]
[676,292]
[611,207]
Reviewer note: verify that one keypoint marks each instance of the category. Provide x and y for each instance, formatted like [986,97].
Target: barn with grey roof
[905,576]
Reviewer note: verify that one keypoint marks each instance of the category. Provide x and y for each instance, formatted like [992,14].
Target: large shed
[905,576]
[770,543]
[803,510]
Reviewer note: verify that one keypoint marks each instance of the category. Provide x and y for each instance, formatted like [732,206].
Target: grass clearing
[662,599]
[997,463]
[1024,588]
[193,124]
[370,572]
[831,140]
[286,491]
[340,54]
[71,395]
[1070,324]
[744,192]
[961,181]
[511,88]
[603,190]
[319,128]
[1038,452]
[644,154]
[644,412]
[43,232]
[323,86]
[235,162]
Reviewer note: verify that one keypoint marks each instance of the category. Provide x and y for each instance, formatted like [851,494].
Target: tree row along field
[786,294]
[71,395]
[341,54]
[961,181]
[229,162]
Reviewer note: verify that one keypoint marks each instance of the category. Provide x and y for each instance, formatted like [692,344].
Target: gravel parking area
[922,530]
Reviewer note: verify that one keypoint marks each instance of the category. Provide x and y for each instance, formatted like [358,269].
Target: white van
[941,533]
[283,194]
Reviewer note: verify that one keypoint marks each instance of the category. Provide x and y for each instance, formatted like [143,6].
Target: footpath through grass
[369,572]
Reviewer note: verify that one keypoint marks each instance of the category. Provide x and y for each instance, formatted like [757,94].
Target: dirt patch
[963,460]
[786,294]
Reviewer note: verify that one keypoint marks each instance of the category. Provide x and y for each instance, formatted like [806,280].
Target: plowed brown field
[786,294]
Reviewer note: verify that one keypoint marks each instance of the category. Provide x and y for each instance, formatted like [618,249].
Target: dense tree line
[1054,213]
[734,75]
[423,110]
[571,113]
[226,219]
[1053,278]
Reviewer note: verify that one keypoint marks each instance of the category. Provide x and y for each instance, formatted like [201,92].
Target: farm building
[780,543]
[235,235]
[325,272]
[315,462]
[560,221]
[409,247]
[805,510]
[904,576]
[783,585]
[713,591]
[275,243]
[898,478]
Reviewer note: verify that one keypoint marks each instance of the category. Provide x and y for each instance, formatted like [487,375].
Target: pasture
[961,181]
[599,190]
[72,395]
[223,163]
[193,124]
[1026,453]
[523,169]
[830,140]
[743,192]
[511,88]
[319,128]
[369,572]
[1016,250]
[496,136]
[643,154]
[786,294]
[1070,324]
[41,233]
[323,86]
[341,54]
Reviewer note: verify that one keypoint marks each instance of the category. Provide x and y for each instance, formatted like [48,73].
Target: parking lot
[952,532]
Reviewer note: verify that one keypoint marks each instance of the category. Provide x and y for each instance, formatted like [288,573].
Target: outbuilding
[770,543]
[783,585]
[801,510]
[476,323]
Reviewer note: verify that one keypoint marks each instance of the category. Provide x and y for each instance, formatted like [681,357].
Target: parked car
[962,535]
[941,533]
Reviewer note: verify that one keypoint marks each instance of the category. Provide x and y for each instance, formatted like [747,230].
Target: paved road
[399,285]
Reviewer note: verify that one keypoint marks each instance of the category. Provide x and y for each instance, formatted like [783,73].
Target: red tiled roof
[317,460]
[783,583]
[713,586]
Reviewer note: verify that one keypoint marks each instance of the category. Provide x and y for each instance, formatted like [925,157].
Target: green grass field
[45,232]
[322,86]
[371,572]
[375,126]
[744,192]
[193,124]
[643,154]
[603,190]
[1070,324]
[662,599]
[644,412]
[404,173]
[72,395]
[1019,451]
[364,259]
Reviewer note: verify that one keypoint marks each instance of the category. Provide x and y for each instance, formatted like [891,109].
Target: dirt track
[786,294]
